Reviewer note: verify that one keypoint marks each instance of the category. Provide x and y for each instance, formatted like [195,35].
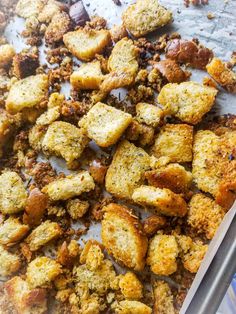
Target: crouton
[90,243]
[86,44]
[222,75]
[149,114]
[123,236]
[163,298]
[28,8]
[171,71]
[41,271]
[12,230]
[72,185]
[205,215]
[141,133]
[64,140]
[49,116]
[174,141]
[27,93]
[162,254]
[36,135]
[153,223]
[51,8]
[13,194]
[118,32]
[115,80]
[77,208]
[43,234]
[24,299]
[94,257]
[188,101]
[7,53]
[25,64]
[59,25]
[98,171]
[67,253]
[130,286]
[105,124]
[163,201]
[126,170]
[144,17]
[131,307]
[10,263]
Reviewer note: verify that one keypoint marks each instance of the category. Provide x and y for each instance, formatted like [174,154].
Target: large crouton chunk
[163,201]
[144,17]
[123,237]
[131,307]
[105,124]
[163,298]
[86,44]
[174,141]
[7,53]
[25,64]
[28,8]
[13,194]
[12,230]
[188,101]
[126,170]
[51,8]
[149,114]
[27,93]
[10,263]
[131,287]
[72,185]
[60,24]
[162,254]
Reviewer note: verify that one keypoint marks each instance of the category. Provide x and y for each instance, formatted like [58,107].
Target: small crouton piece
[153,223]
[149,114]
[118,32]
[27,93]
[7,53]
[77,208]
[51,8]
[105,124]
[131,307]
[10,263]
[88,76]
[43,234]
[68,252]
[141,133]
[222,75]
[59,25]
[188,101]
[28,8]
[162,254]
[98,171]
[174,141]
[115,80]
[131,287]
[163,201]
[25,64]
[12,231]
[173,177]
[205,215]
[126,170]
[123,236]
[163,298]
[13,194]
[24,299]
[55,100]
[144,17]
[72,185]
[86,44]
[94,257]
[49,116]
[172,71]
[36,135]
[90,243]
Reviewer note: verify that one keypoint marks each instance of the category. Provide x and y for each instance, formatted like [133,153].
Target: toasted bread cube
[123,237]
[162,254]
[64,140]
[51,8]
[36,136]
[43,234]
[86,44]
[25,64]
[163,201]
[41,271]
[131,307]
[13,194]
[7,53]
[27,93]
[28,8]
[131,287]
[10,263]
[126,170]
[188,101]
[144,17]
[149,114]
[12,230]
[77,208]
[48,116]
[114,80]
[174,141]
[59,25]
[163,299]
[72,185]
[24,299]
[105,124]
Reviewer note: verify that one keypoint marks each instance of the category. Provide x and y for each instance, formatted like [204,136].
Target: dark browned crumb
[153,223]
[96,22]
[25,64]
[195,2]
[43,174]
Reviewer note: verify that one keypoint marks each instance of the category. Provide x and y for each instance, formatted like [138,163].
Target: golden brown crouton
[141,133]
[86,44]
[174,141]
[36,135]
[144,17]
[10,263]
[188,101]
[25,64]
[149,114]
[118,32]
[123,236]
[114,80]
[67,253]
[163,299]
[162,254]
[28,8]
[13,194]
[88,245]
[12,230]
[126,170]
[77,208]
[49,116]
[172,71]
[131,307]
[7,53]
[105,124]
[51,8]
[72,185]
[153,223]
[131,287]
[163,201]
[59,25]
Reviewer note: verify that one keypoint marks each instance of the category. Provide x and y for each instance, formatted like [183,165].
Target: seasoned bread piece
[105,124]
[188,101]
[123,237]
[140,133]
[171,71]
[13,194]
[131,307]
[28,8]
[12,230]
[144,17]
[163,298]
[59,25]
[27,93]
[149,114]
[126,170]
[51,8]
[163,201]
[85,44]
[72,185]
[77,208]
[174,141]
[49,116]
[36,135]
[153,223]
[41,271]
[130,286]
[7,53]
[9,262]
[162,254]
[47,231]
[25,64]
